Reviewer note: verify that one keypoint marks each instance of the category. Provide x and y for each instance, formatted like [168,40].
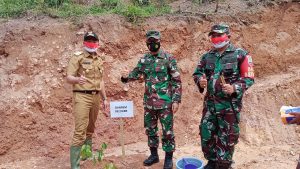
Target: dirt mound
[35,104]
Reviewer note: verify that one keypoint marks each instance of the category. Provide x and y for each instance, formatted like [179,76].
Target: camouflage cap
[90,34]
[153,34]
[219,28]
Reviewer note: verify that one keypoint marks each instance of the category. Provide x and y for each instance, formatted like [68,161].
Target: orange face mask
[221,41]
[91,46]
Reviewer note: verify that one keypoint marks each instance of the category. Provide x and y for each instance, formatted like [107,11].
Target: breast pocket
[163,91]
[209,69]
[161,72]
[146,68]
[229,69]
[87,70]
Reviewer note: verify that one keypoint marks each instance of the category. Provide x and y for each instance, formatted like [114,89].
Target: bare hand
[81,80]
[228,89]
[203,81]
[141,79]
[296,120]
[105,107]
[175,107]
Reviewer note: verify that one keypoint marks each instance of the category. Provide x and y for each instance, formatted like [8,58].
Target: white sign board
[121,109]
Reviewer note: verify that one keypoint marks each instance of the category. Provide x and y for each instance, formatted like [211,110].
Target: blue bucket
[189,163]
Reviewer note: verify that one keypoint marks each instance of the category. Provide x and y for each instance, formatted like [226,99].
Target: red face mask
[91,45]
[220,39]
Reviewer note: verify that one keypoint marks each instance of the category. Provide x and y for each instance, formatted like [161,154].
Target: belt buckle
[94,92]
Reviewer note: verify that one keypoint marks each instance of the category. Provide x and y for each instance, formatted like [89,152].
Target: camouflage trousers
[219,131]
[298,166]
[165,117]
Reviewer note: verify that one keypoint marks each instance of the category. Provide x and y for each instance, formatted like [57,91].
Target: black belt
[93,92]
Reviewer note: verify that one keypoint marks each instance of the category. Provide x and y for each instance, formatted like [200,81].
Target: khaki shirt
[89,66]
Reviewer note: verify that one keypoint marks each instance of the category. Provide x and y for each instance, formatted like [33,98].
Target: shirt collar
[87,55]
[159,55]
[230,48]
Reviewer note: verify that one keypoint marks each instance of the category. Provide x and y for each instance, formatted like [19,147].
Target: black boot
[210,165]
[223,165]
[153,158]
[168,160]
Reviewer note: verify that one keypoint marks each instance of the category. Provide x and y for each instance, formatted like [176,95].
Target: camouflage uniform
[162,88]
[298,166]
[219,127]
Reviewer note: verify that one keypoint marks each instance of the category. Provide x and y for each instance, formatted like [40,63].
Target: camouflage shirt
[162,80]
[212,64]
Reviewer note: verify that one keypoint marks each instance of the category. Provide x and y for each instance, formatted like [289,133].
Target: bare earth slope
[36,119]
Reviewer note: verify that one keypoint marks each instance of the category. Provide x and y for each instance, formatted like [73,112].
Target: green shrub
[141,2]
[54,3]
[134,12]
[69,9]
[96,10]
[9,8]
[109,4]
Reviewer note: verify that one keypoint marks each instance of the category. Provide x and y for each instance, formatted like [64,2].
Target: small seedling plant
[87,153]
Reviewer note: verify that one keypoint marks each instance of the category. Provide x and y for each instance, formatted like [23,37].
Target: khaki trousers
[86,109]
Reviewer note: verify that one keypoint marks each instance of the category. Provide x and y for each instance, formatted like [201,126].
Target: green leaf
[94,160]
[104,146]
[86,152]
[82,152]
[97,154]
[110,166]
[89,152]
[100,155]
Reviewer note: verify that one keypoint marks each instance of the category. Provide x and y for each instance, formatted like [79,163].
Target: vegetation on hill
[132,10]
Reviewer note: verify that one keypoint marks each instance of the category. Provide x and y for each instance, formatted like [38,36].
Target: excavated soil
[36,121]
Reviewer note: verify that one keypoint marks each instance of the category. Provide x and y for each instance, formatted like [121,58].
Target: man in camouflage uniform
[226,72]
[296,121]
[162,96]
[85,73]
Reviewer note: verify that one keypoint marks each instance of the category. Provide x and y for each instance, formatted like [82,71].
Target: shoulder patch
[242,51]
[204,56]
[78,53]
[249,59]
[146,55]
[101,56]
[210,51]
[168,55]
[206,53]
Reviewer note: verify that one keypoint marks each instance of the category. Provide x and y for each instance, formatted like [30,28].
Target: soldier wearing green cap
[162,96]
[85,73]
[226,72]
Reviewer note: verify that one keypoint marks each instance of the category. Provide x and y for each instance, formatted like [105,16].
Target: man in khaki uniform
[85,73]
